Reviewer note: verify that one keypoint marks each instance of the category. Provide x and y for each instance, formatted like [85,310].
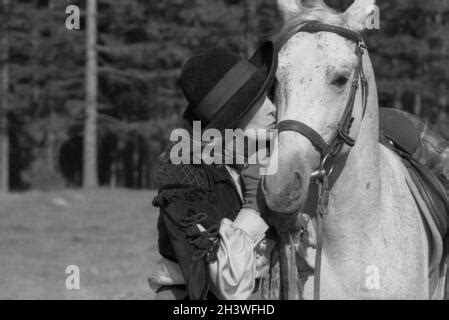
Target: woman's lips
[272,124]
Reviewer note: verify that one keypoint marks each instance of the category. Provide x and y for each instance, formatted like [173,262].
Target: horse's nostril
[296,188]
[298,180]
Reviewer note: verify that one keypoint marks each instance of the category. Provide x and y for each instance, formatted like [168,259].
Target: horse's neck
[365,227]
[368,181]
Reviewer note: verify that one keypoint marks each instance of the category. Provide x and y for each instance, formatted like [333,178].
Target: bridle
[329,150]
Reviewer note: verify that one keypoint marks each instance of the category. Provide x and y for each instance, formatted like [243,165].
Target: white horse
[375,245]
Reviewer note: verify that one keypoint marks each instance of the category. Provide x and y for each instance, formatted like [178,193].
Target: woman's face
[261,117]
[255,126]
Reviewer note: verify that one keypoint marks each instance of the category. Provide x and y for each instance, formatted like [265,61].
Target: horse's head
[313,85]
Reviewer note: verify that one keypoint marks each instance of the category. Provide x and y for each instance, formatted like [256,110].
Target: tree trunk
[50,144]
[120,172]
[143,174]
[90,168]
[35,92]
[135,164]
[113,172]
[443,99]
[4,99]
[251,26]
[397,104]
[417,110]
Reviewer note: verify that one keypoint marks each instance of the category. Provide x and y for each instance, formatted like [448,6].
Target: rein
[329,150]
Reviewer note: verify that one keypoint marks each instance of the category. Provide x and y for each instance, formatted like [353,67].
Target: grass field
[109,234]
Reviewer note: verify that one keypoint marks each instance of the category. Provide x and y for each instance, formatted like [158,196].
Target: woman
[211,234]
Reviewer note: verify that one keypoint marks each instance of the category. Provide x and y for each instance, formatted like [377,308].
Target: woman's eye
[340,81]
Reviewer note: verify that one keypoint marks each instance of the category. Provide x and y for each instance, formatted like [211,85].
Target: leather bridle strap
[314,137]
[315,26]
[339,139]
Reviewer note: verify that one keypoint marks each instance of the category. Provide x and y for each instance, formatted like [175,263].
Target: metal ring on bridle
[323,165]
[322,172]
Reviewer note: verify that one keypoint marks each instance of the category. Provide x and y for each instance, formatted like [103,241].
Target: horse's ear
[290,8]
[358,13]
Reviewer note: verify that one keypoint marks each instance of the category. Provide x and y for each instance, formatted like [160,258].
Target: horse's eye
[340,81]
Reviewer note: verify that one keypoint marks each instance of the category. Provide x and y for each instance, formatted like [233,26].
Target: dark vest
[190,195]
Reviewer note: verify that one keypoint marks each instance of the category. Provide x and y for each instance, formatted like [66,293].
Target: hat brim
[265,59]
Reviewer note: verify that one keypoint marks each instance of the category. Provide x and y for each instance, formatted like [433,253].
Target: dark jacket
[191,195]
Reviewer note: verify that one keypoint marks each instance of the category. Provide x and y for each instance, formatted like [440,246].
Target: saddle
[404,134]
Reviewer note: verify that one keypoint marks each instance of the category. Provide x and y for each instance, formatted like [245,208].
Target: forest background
[132,52]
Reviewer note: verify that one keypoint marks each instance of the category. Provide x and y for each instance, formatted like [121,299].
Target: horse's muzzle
[285,195]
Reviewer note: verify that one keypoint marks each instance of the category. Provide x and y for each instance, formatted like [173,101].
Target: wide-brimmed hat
[221,87]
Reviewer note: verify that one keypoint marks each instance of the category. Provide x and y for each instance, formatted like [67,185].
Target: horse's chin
[284,209]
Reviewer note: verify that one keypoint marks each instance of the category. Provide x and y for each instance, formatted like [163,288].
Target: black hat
[221,87]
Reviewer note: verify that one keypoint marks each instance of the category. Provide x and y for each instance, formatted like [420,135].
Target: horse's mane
[316,11]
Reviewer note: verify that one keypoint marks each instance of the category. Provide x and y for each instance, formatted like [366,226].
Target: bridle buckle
[318,175]
[362,45]
[322,172]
